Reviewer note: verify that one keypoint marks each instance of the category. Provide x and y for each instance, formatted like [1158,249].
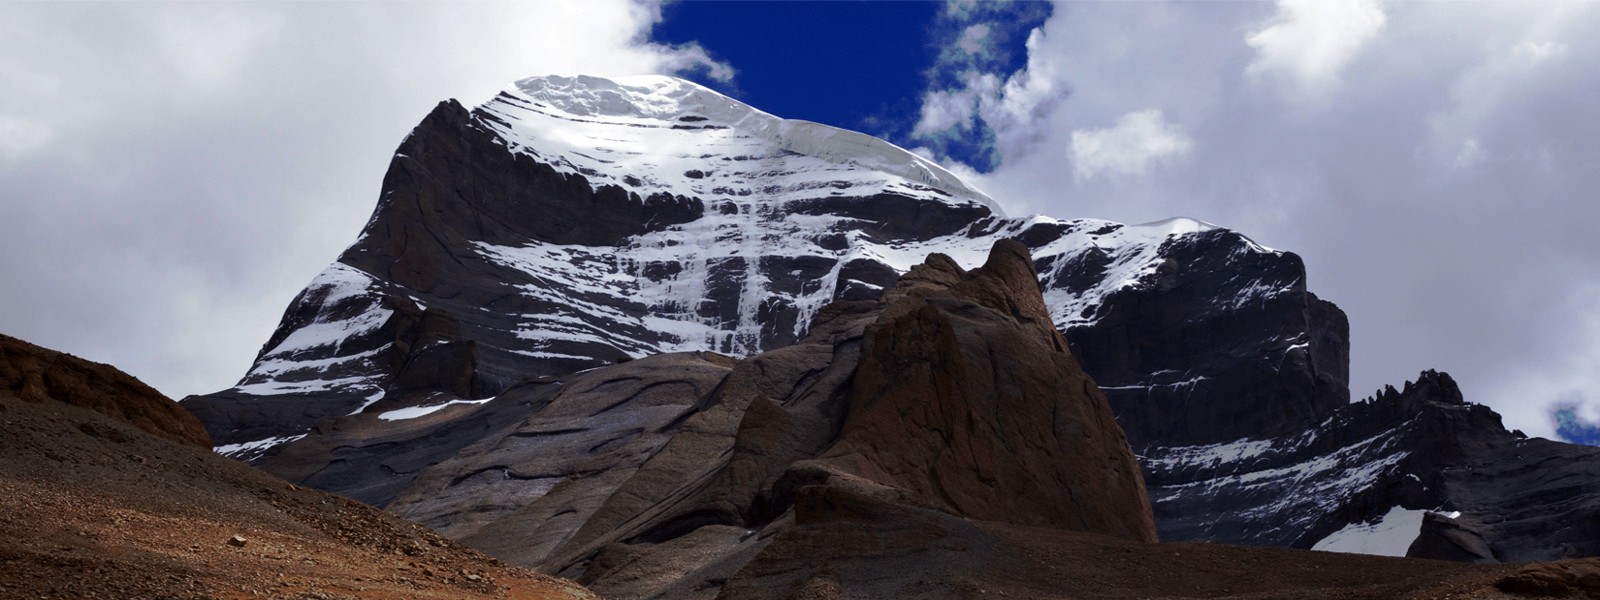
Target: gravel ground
[94,508]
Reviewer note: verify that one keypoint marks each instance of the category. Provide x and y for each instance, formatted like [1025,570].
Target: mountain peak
[655,97]
[658,102]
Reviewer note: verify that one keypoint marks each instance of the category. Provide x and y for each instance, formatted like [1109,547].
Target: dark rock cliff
[950,395]
[1221,344]
[1419,448]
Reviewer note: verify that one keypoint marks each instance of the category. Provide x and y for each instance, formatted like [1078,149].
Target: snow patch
[1210,455]
[370,400]
[273,387]
[249,450]
[422,411]
[334,284]
[1391,535]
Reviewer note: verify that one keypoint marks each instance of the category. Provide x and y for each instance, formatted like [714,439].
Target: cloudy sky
[171,175]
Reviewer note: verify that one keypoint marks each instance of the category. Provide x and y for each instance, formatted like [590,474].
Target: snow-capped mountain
[572,222]
[575,222]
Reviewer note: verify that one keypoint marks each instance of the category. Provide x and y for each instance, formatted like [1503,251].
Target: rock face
[1410,472]
[574,222]
[1219,342]
[967,394]
[600,425]
[35,374]
[950,398]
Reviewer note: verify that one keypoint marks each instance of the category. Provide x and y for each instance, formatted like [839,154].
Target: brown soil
[91,507]
[849,544]
[1105,568]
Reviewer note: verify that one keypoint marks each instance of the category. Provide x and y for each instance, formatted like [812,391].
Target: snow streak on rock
[302,361]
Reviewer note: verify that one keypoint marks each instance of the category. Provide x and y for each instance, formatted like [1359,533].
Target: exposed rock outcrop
[36,374]
[1218,343]
[967,395]
[1418,448]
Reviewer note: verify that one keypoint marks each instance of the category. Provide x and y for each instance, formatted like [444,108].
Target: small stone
[473,577]
[237,541]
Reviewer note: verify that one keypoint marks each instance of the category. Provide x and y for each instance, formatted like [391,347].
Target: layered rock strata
[950,397]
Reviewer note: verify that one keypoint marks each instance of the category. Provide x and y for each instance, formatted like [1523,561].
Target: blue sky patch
[1573,427]
[859,65]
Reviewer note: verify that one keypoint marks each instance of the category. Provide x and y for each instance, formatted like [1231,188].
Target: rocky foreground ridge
[94,506]
[104,493]
[575,223]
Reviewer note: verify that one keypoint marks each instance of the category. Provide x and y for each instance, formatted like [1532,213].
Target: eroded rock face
[967,395]
[952,394]
[37,374]
[82,492]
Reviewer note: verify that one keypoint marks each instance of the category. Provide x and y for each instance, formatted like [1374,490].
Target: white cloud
[210,46]
[1007,105]
[190,166]
[974,105]
[944,111]
[1138,140]
[1471,153]
[22,136]
[960,9]
[953,111]
[692,57]
[1309,41]
[1027,97]
[1439,193]
[1478,95]
[974,39]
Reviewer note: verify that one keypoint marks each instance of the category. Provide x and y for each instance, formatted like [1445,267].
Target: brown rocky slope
[103,494]
[35,374]
[936,443]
